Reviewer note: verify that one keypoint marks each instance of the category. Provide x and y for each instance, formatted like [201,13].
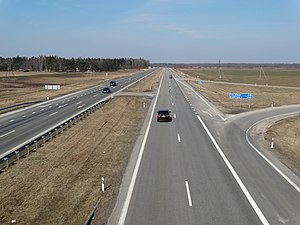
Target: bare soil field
[286,132]
[27,87]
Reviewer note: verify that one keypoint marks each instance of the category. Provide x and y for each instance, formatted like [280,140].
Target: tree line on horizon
[60,64]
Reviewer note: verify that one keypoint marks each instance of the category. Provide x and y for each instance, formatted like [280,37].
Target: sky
[162,31]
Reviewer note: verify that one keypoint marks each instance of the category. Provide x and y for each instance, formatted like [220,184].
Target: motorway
[203,168]
[21,126]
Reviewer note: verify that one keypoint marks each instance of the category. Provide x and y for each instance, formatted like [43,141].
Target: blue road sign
[200,81]
[240,96]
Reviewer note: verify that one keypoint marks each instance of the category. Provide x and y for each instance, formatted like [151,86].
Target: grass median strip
[60,182]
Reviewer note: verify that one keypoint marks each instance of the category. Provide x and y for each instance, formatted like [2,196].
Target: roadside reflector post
[6,160]
[102,184]
[18,154]
[272,143]
[35,142]
[272,105]
[144,105]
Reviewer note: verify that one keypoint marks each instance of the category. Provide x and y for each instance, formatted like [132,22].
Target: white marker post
[272,105]
[144,105]
[272,143]
[102,184]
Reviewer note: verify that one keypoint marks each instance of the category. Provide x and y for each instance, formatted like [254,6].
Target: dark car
[113,83]
[170,76]
[106,90]
[164,115]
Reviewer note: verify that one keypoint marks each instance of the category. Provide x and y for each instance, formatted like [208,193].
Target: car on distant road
[170,76]
[106,90]
[113,83]
[164,115]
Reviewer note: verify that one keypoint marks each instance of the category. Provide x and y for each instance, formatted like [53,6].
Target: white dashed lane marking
[3,135]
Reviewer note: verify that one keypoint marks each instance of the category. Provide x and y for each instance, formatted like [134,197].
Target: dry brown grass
[287,141]
[286,132]
[29,87]
[148,84]
[60,182]
[218,94]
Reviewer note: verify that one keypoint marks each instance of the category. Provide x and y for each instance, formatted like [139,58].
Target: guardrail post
[56,131]
[67,125]
[6,160]
[36,144]
[18,154]
[62,128]
[44,141]
[50,134]
[27,147]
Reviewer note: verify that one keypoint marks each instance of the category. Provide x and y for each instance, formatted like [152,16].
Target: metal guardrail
[40,140]
[19,104]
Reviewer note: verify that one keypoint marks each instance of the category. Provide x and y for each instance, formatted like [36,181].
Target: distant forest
[229,65]
[59,64]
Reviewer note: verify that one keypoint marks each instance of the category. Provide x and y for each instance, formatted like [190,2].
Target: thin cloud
[193,34]
[143,18]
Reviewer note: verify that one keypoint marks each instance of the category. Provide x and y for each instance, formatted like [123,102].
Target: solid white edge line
[202,99]
[188,193]
[236,177]
[178,138]
[137,165]
[268,161]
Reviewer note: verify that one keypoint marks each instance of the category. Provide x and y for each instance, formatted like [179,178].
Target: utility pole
[221,74]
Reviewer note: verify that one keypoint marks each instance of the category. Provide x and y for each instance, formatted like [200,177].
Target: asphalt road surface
[23,125]
[203,168]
